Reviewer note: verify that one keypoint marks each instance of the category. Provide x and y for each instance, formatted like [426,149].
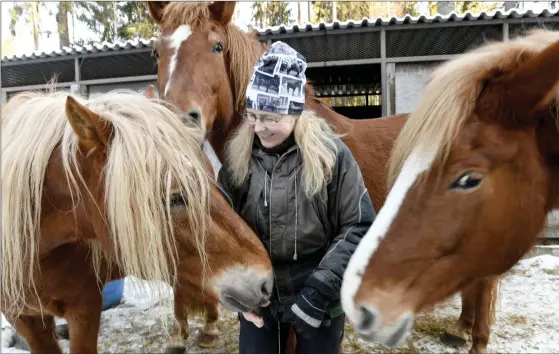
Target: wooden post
[390,89]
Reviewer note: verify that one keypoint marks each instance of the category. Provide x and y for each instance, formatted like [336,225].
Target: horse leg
[209,335]
[84,319]
[291,345]
[179,334]
[486,296]
[38,333]
[459,333]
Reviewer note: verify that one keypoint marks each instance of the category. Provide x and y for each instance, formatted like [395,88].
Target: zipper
[270,207]
[270,215]
[265,183]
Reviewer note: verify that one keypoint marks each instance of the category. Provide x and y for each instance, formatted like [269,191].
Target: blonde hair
[150,148]
[449,99]
[316,141]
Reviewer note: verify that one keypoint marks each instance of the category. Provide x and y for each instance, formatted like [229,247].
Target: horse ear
[156,10]
[522,94]
[150,91]
[222,11]
[93,131]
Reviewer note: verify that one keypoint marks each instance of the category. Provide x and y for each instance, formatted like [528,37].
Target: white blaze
[416,164]
[180,35]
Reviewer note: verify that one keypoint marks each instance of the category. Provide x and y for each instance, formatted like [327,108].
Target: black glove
[275,309]
[307,313]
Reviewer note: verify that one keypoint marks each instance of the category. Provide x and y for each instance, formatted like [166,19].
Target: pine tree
[322,11]
[137,21]
[352,10]
[277,13]
[258,13]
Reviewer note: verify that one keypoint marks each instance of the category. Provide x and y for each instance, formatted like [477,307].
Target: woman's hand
[308,312]
[254,318]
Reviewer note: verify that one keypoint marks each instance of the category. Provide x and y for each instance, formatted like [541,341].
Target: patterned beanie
[278,82]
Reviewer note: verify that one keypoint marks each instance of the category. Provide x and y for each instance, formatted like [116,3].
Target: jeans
[265,340]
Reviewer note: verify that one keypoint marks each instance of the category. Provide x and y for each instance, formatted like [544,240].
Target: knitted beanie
[278,82]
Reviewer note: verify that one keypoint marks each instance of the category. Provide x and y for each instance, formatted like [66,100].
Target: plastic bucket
[112,293]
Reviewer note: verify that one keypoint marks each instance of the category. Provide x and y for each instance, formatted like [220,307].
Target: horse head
[124,174]
[204,63]
[474,173]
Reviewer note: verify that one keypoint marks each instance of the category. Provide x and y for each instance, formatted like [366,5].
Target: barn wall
[410,80]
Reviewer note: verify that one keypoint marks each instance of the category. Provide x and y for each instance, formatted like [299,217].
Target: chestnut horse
[475,172]
[204,66]
[100,189]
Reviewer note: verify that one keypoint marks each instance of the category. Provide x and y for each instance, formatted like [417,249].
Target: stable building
[363,69]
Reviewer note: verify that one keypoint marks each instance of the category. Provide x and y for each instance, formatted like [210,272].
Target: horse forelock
[194,14]
[150,150]
[449,99]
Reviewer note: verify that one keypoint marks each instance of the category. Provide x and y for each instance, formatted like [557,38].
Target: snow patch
[145,294]
[527,319]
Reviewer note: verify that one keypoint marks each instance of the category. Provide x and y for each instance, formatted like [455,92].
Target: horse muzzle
[242,289]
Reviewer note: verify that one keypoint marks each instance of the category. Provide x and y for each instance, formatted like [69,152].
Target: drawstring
[296,218]
[265,191]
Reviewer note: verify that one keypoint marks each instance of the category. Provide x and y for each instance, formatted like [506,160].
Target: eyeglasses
[264,119]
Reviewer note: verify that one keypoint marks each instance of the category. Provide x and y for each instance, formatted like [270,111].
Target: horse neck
[222,130]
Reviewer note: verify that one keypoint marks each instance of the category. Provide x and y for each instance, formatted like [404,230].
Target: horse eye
[218,48]
[467,180]
[177,202]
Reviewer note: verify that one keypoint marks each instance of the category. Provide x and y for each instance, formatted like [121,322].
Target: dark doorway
[352,90]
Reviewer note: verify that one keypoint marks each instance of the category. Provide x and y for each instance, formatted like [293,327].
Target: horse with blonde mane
[94,190]
[483,145]
[205,63]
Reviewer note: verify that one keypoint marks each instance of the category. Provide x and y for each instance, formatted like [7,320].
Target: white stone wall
[410,80]
[553,225]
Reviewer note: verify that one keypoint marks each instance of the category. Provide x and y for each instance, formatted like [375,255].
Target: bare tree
[62,21]
[28,12]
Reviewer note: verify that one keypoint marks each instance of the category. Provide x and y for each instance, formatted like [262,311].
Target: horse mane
[242,51]
[150,148]
[449,99]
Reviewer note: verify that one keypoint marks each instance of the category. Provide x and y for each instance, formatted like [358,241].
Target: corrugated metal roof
[411,20]
[76,49]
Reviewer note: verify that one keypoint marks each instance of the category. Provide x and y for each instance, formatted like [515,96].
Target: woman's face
[271,128]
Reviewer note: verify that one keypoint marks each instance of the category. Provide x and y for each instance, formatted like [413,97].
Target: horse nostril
[194,114]
[369,319]
[265,290]
[402,329]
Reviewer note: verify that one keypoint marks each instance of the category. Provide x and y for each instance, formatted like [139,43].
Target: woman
[297,185]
